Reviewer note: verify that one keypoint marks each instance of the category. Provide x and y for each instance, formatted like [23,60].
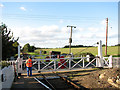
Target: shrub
[4,64]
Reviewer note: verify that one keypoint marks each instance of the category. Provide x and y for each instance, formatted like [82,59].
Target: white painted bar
[38,65]
[110,62]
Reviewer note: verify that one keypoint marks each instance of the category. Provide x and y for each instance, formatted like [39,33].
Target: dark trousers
[29,71]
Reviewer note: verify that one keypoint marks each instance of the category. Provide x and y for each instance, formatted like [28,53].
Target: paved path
[27,83]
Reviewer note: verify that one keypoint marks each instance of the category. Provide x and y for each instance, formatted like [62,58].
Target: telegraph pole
[70,39]
[106,36]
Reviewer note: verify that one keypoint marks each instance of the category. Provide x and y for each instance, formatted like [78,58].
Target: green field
[112,50]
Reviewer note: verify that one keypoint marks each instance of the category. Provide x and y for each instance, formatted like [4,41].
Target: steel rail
[68,81]
[42,84]
[53,88]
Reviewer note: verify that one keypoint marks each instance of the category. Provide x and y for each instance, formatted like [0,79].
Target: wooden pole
[106,36]
[70,39]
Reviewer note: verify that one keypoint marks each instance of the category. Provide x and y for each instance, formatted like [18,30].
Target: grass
[32,53]
[112,50]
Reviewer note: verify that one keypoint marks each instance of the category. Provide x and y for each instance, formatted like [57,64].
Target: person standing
[29,66]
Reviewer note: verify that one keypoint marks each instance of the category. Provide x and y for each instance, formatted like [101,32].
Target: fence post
[83,63]
[18,51]
[88,58]
[100,61]
[54,64]
[70,62]
[97,60]
[19,66]
[110,62]
[38,66]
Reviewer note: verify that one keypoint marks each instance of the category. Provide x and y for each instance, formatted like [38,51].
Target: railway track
[55,81]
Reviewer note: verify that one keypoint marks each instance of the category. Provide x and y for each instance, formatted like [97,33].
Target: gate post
[19,62]
[97,59]
[70,62]
[100,60]
[110,62]
[19,66]
[83,63]
[38,66]
[54,64]
[88,58]
[18,51]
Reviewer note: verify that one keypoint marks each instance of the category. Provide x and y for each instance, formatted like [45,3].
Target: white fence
[67,63]
[6,77]
[116,62]
[72,63]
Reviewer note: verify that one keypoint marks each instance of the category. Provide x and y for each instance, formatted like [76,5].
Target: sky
[44,24]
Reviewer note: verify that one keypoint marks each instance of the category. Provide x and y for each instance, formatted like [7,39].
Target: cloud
[55,36]
[61,21]
[65,30]
[93,29]
[103,22]
[80,29]
[1,5]
[23,8]
[45,34]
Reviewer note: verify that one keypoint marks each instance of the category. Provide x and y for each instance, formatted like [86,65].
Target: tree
[103,45]
[9,44]
[28,48]
[32,48]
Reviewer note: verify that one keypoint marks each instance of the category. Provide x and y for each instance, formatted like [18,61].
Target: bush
[4,64]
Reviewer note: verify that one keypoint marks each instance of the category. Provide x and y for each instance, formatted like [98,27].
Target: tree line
[76,46]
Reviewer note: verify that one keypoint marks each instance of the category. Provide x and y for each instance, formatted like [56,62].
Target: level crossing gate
[69,63]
